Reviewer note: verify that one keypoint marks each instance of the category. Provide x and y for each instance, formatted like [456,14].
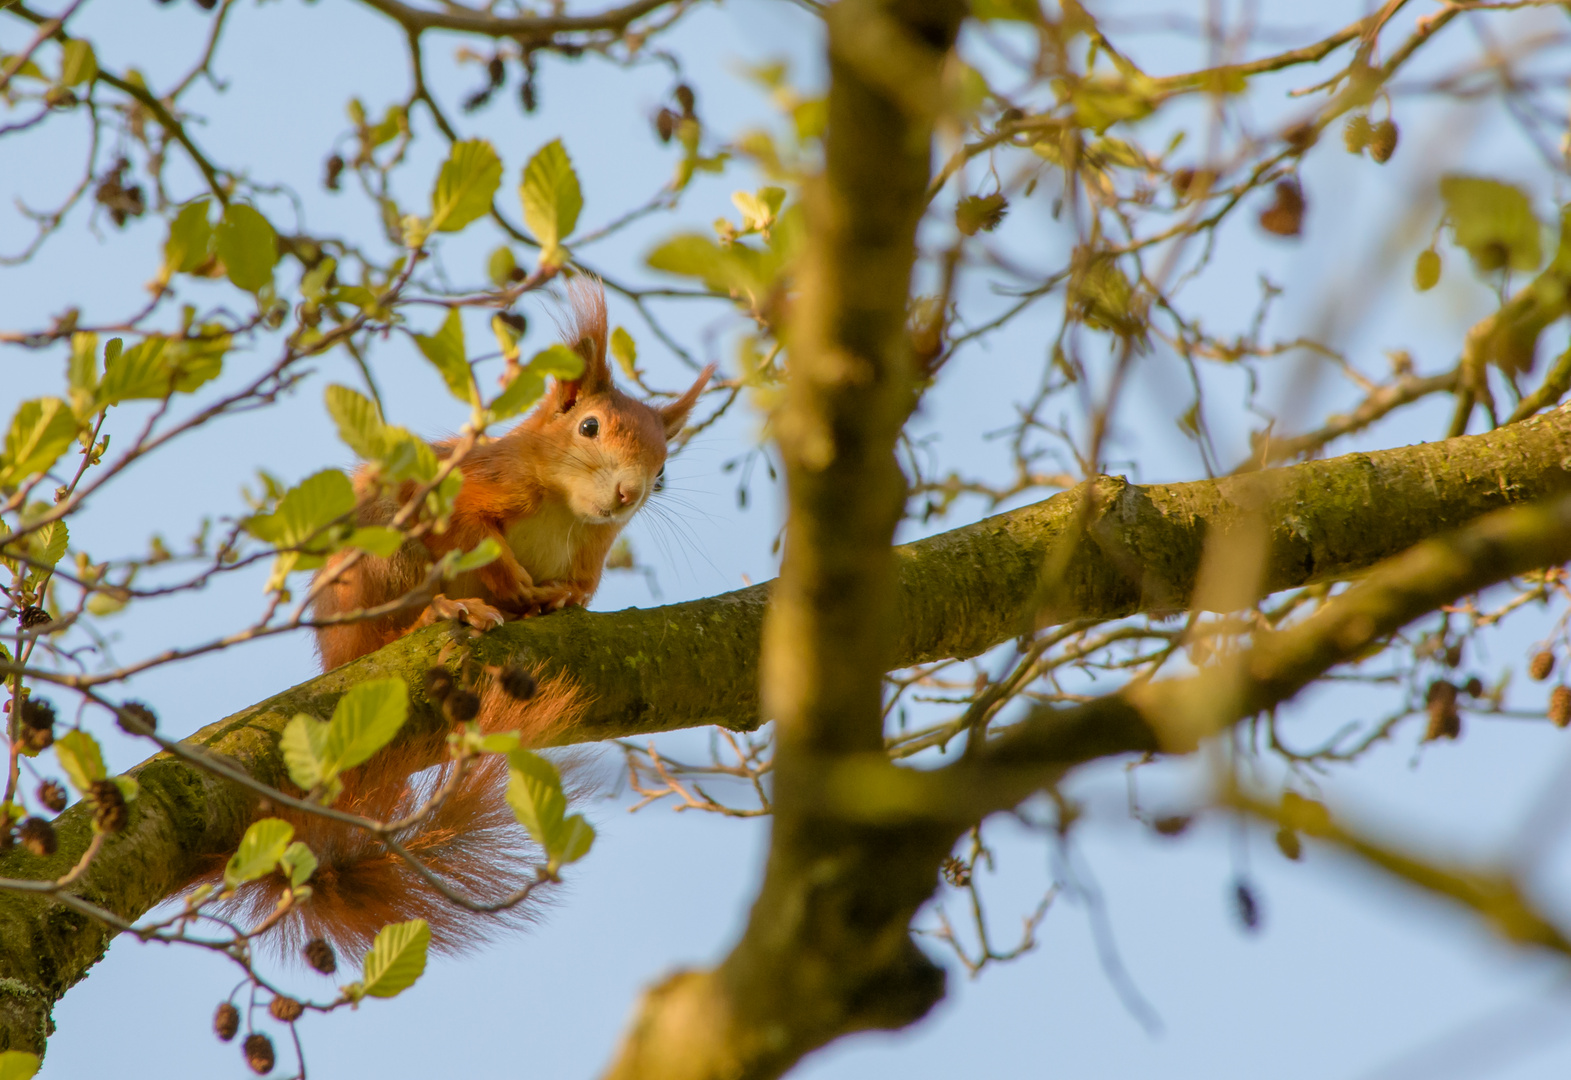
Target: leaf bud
[226,1021]
[494,70]
[38,836]
[1288,843]
[335,170]
[319,954]
[1426,271]
[258,1049]
[52,794]
[684,98]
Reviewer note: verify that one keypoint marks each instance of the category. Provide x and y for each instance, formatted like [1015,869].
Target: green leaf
[40,432]
[464,188]
[198,358]
[445,350]
[137,372]
[129,788]
[260,849]
[576,838]
[364,721]
[359,422]
[304,746]
[557,360]
[1493,221]
[534,791]
[501,266]
[298,862]
[625,351]
[47,545]
[552,198]
[82,372]
[397,958]
[77,63]
[248,247]
[378,540]
[18,1065]
[524,390]
[190,238]
[82,760]
[484,553]
[313,283]
[308,508]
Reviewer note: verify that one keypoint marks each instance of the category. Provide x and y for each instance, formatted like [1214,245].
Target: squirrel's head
[610,448]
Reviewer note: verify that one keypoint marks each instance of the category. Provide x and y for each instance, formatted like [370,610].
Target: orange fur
[555,499]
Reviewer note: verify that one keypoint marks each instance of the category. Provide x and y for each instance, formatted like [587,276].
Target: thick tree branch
[522,27]
[683,665]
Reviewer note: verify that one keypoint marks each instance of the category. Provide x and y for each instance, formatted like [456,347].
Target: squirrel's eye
[589,428]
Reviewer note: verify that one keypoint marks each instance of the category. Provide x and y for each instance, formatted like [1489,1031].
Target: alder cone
[226,1021]
[52,794]
[1382,141]
[38,836]
[285,1009]
[1285,216]
[1560,706]
[1541,666]
[258,1050]
[319,954]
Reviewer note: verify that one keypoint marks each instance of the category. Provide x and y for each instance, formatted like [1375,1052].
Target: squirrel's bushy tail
[470,841]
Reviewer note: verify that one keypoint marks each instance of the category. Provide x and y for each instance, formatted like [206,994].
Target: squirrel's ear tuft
[585,333]
[674,415]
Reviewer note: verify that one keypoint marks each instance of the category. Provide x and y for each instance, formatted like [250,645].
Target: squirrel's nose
[628,493]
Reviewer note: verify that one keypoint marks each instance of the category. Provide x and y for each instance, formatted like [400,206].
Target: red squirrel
[554,492]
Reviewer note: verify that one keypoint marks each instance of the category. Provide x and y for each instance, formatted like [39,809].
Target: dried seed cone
[38,739]
[319,954]
[226,1021]
[1285,216]
[110,813]
[1444,720]
[38,836]
[438,684]
[665,124]
[38,714]
[1560,706]
[133,712]
[1357,133]
[518,683]
[258,1049]
[1474,687]
[1171,826]
[461,706]
[52,794]
[285,1009]
[1541,666]
[1382,141]
[956,872]
[32,617]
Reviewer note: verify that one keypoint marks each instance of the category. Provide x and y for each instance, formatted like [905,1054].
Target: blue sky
[1351,976]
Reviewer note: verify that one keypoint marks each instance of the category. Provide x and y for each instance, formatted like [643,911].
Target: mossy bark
[691,664]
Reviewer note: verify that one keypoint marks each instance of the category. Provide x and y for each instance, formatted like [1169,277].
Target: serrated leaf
[190,238]
[47,545]
[359,421]
[77,63]
[248,247]
[1493,221]
[551,198]
[304,511]
[364,721]
[304,747]
[534,791]
[40,432]
[82,371]
[558,361]
[196,359]
[445,350]
[625,350]
[82,760]
[524,390]
[464,188]
[260,849]
[18,1065]
[298,863]
[397,958]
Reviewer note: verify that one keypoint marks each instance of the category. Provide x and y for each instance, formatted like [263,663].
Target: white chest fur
[543,542]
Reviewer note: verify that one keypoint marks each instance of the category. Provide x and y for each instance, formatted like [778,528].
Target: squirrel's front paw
[471,612]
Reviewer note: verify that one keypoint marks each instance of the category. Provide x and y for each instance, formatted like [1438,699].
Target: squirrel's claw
[471,612]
